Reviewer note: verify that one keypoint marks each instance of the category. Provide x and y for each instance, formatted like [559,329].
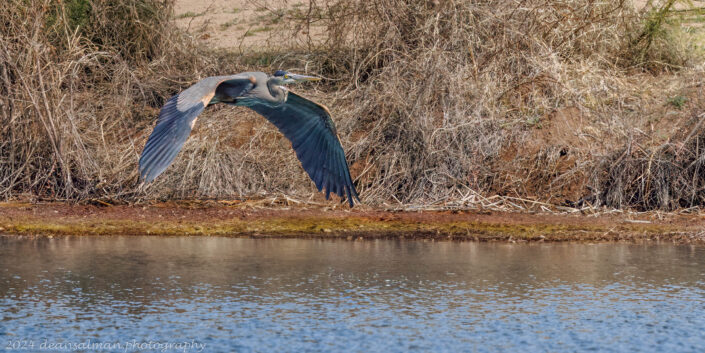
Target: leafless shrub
[669,176]
[78,91]
[436,93]
[436,101]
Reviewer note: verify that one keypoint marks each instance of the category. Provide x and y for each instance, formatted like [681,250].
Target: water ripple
[249,295]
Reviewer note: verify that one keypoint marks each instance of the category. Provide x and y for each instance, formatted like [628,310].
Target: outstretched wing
[178,116]
[310,129]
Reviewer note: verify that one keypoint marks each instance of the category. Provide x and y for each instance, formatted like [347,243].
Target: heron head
[288,78]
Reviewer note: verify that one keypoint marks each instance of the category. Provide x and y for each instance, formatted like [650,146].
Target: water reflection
[293,295]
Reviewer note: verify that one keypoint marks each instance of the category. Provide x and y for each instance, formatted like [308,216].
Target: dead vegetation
[81,83]
[446,102]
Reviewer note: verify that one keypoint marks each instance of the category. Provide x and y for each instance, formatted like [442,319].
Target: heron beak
[303,78]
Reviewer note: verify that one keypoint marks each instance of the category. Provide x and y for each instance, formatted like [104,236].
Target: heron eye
[286,76]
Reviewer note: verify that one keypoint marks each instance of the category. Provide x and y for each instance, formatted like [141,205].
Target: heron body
[306,124]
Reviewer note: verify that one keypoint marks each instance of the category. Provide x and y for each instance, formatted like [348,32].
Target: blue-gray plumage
[306,124]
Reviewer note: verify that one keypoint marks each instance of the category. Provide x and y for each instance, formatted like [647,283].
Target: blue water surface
[209,294]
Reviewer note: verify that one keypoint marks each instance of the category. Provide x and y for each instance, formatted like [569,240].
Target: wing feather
[176,119]
[172,129]
[310,153]
[339,174]
[320,160]
[306,124]
[312,134]
[302,134]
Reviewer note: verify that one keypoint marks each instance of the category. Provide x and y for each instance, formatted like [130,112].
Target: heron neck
[278,93]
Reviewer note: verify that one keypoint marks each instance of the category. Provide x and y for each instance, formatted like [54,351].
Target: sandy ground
[247,24]
[236,24]
[250,219]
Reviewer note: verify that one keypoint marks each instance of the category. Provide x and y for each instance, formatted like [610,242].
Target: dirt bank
[249,219]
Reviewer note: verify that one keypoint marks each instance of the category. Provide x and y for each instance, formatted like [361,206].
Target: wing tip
[146,176]
[352,195]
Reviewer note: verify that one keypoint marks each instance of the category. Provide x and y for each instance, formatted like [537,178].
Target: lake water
[201,294]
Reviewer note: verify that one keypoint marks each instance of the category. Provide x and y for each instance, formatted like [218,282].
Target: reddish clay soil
[244,219]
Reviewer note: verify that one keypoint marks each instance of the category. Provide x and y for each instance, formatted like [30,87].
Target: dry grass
[81,84]
[446,99]
[438,102]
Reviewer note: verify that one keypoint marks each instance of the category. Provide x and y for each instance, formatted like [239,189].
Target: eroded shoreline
[242,220]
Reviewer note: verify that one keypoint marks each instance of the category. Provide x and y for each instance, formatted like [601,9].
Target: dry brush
[438,102]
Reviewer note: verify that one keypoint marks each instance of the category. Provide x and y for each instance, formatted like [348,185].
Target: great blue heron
[306,124]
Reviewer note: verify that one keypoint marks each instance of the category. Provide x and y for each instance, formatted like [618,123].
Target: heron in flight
[306,124]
